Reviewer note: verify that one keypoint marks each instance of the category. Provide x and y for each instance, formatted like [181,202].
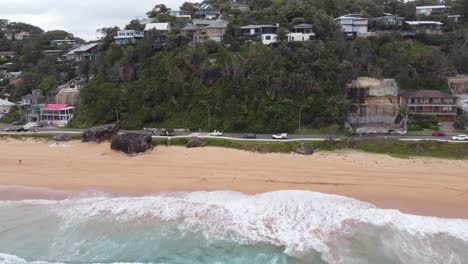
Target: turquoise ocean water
[222,227]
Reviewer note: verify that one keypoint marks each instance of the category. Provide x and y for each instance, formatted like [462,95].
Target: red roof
[427,94]
[55,107]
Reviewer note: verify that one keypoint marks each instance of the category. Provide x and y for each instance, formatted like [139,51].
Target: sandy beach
[423,186]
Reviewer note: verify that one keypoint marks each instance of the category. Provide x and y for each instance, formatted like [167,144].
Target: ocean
[290,227]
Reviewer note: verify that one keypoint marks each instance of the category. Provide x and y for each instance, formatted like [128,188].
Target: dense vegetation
[243,86]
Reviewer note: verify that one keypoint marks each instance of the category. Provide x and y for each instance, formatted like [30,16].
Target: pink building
[57,114]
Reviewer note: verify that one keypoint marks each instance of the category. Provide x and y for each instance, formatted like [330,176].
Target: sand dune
[419,186]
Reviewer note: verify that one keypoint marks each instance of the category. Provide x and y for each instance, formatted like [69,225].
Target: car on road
[438,134]
[216,133]
[167,133]
[460,138]
[280,136]
[22,129]
[9,129]
[249,136]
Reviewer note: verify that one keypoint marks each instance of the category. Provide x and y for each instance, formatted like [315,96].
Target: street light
[208,108]
[300,115]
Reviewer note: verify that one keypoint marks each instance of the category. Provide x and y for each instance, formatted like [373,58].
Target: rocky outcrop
[305,150]
[195,142]
[99,133]
[62,138]
[132,144]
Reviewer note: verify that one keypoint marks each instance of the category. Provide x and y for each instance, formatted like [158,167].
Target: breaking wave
[223,227]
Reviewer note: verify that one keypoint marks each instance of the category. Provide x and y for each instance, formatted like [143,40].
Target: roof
[423,22]
[158,26]
[217,25]
[7,53]
[427,94]
[257,26]
[6,103]
[303,26]
[432,6]
[83,48]
[56,107]
[32,97]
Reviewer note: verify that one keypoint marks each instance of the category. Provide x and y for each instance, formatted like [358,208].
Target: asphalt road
[291,137]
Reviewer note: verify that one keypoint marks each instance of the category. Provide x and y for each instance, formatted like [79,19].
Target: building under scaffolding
[374,105]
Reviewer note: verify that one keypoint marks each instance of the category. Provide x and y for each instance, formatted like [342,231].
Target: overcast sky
[79,17]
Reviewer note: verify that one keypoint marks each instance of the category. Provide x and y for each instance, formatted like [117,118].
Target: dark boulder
[132,143]
[195,142]
[99,133]
[62,138]
[305,150]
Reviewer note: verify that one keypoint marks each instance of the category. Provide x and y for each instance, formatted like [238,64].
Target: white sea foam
[299,221]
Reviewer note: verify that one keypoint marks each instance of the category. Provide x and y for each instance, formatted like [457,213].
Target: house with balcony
[57,114]
[267,33]
[5,107]
[411,28]
[301,32]
[353,25]
[179,14]
[459,87]
[202,30]
[125,37]
[209,12]
[59,43]
[156,34]
[386,22]
[35,97]
[430,102]
[83,53]
[432,10]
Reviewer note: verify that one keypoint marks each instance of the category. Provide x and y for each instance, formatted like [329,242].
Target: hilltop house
[5,107]
[125,37]
[209,12]
[59,43]
[57,114]
[202,30]
[267,33]
[432,10]
[241,7]
[83,53]
[301,32]
[353,25]
[156,34]
[35,97]
[387,21]
[374,105]
[411,28]
[430,102]
[459,87]
[19,35]
[179,14]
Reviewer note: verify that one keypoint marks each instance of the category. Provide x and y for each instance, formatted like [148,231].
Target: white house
[57,114]
[353,24]
[128,36]
[427,27]
[5,107]
[268,39]
[179,14]
[432,10]
[301,32]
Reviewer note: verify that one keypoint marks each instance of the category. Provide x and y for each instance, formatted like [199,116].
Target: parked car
[216,133]
[460,138]
[249,136]
[439,134]
[9,129]
[22,129]
[167,133]
[280,136]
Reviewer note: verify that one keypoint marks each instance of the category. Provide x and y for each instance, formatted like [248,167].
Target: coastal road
[238,136]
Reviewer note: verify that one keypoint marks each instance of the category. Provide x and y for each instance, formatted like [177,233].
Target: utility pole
[300,116]
[209,116]
[117,116]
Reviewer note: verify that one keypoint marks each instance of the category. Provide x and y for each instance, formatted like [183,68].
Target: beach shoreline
[422,186]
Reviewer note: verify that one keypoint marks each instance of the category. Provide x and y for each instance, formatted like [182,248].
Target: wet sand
[423,186]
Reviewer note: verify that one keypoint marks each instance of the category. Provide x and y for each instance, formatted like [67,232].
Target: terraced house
[430,102]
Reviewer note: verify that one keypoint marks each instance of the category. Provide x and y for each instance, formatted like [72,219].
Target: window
[268,37]
[419,109]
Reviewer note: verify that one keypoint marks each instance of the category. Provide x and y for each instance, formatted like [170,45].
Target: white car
[280,136]
[460,138]
[216,134]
